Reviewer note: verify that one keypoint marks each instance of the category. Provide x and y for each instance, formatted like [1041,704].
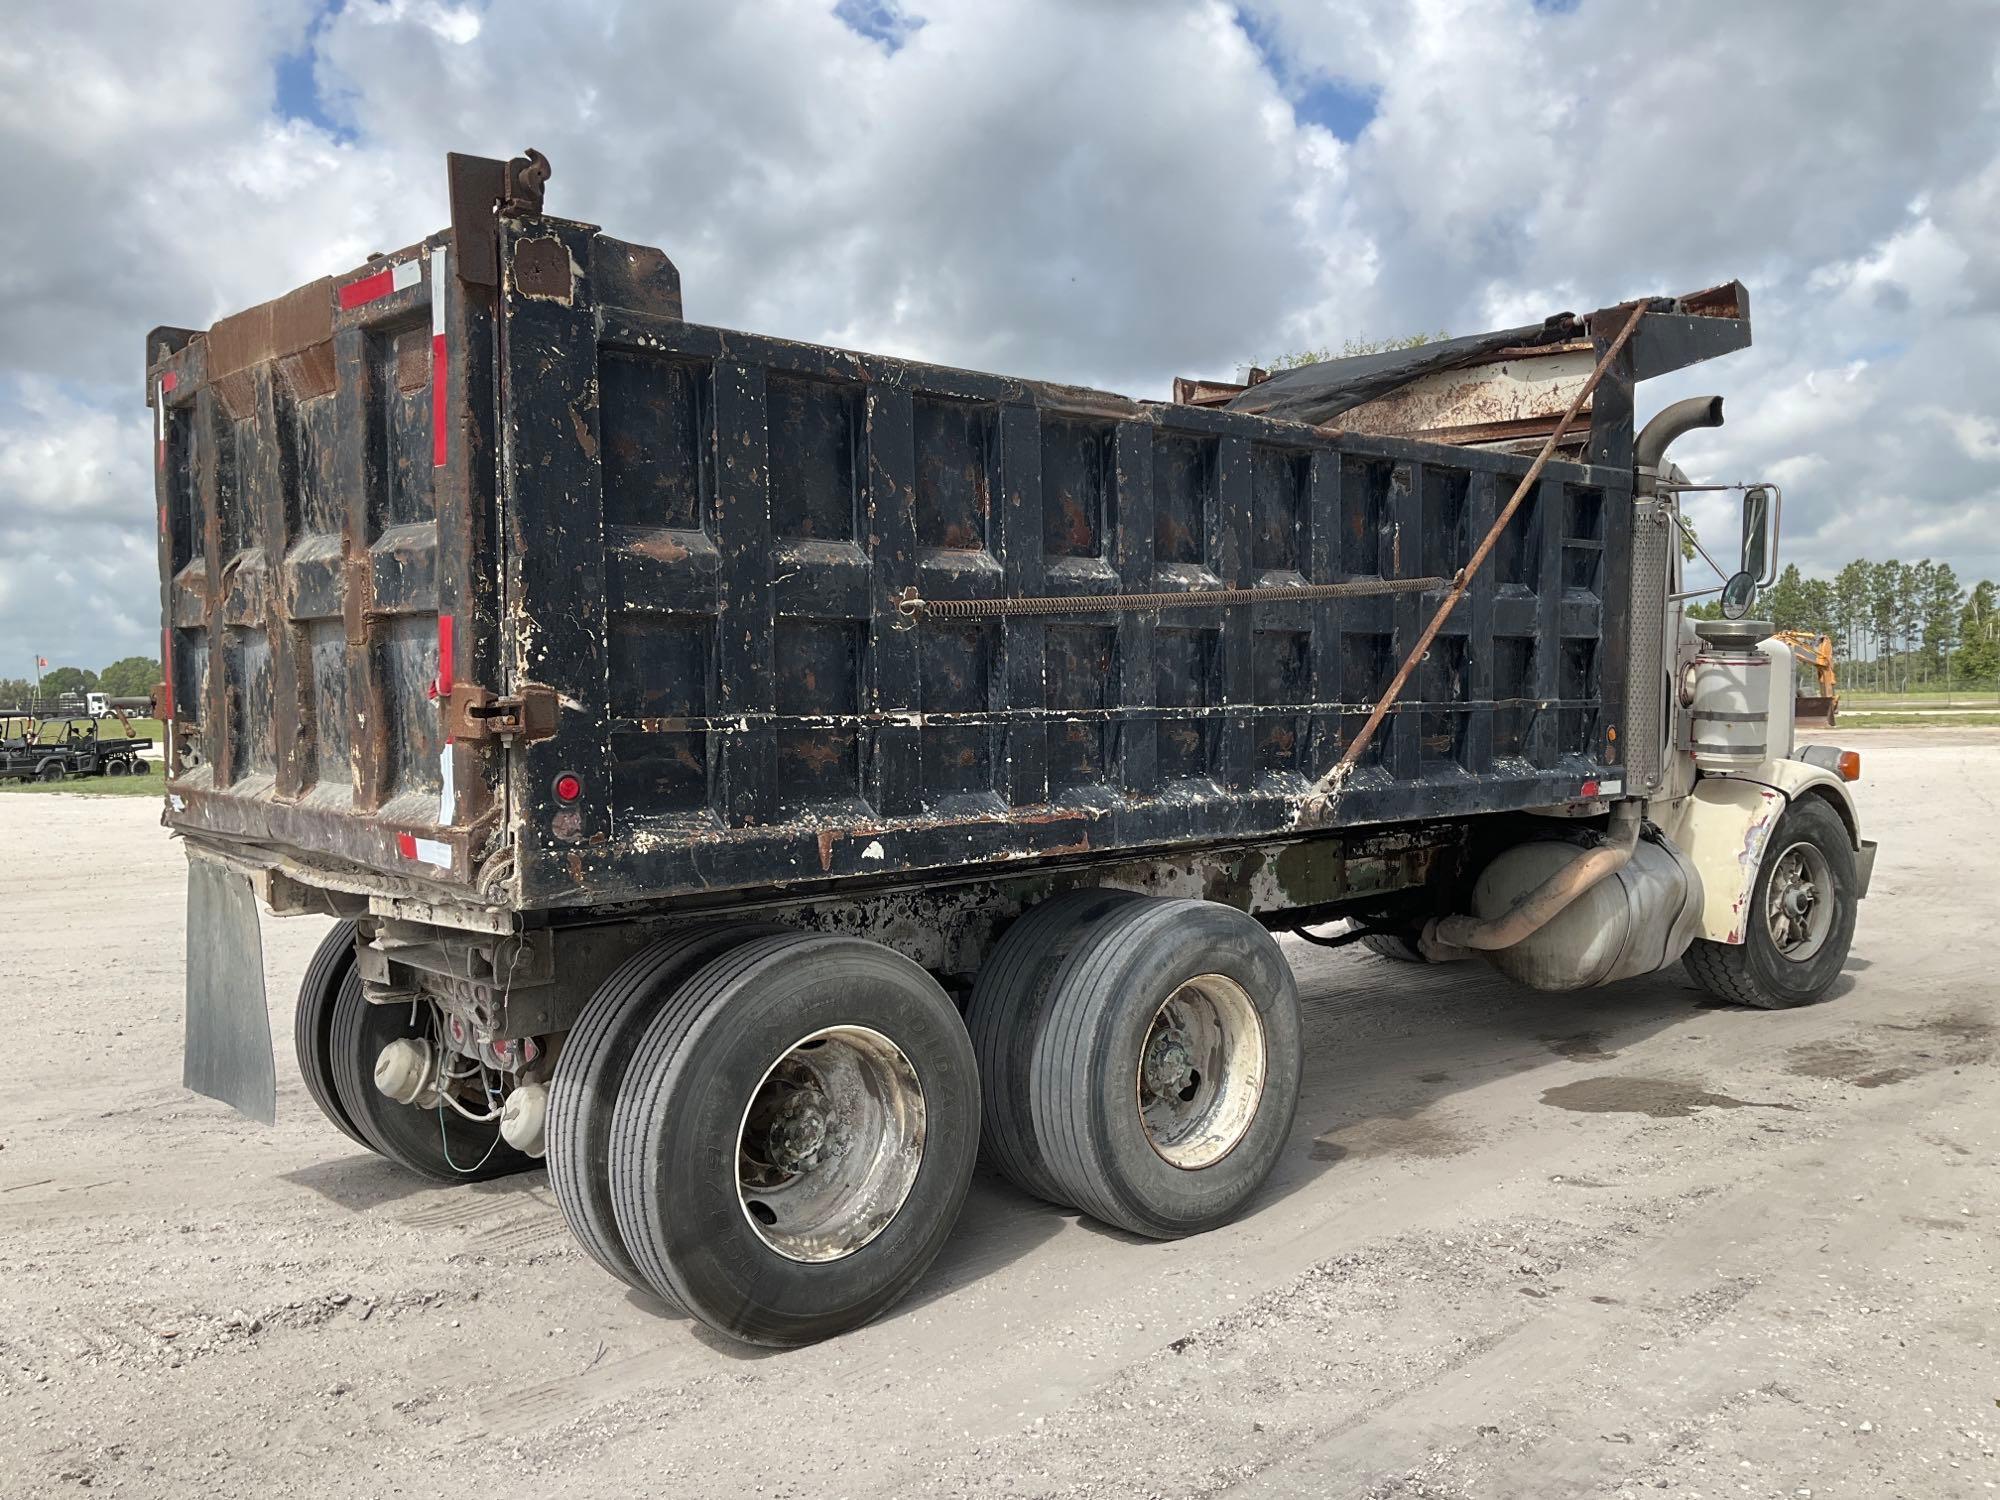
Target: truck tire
[1800,921]
[312,1026]
[795,1137]
[1009,1002]
[439,1143]
[584,1091]
[1167,1070]
[1395,946]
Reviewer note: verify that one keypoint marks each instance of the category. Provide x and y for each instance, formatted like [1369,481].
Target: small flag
[41,661]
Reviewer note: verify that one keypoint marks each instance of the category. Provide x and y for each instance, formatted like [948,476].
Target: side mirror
[1738,595]
[1756,531]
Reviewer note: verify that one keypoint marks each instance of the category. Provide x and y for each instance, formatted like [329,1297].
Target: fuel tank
[1636,920]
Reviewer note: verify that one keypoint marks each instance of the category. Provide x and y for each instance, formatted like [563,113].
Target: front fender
[1725,826]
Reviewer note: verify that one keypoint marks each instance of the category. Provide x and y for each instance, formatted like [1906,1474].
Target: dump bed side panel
[715,529]
[325,482]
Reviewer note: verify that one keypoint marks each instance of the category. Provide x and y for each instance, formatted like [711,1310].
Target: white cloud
[1109,192]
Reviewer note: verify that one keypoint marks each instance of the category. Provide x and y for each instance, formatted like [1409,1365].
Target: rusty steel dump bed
[486,515]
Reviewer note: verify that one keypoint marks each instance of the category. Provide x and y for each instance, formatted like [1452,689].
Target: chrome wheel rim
[1798,902]
[1201,1072]
[830,1143]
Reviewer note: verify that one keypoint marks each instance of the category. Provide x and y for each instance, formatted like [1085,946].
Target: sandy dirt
[1617,1243]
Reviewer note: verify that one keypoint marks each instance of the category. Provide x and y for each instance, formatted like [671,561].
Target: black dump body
[487,515]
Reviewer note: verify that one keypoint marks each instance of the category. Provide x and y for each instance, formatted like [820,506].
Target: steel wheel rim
[1798,902]
[829,1145]
[1200,1074]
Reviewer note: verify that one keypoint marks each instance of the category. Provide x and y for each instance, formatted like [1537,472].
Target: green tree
[1939,608]
[1882,613]
[1816,594]
[1977,659]
[1784,603]
[1851,592]
[68,680]
[130,677]
[15,690]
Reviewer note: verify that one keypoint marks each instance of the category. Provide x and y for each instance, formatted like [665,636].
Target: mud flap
[228,1054]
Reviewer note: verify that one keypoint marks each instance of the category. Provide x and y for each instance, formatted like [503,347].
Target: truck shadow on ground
[361,1182]
[1387,1045]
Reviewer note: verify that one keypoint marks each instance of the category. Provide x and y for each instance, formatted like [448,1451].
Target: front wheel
[1800,920]
[52,771]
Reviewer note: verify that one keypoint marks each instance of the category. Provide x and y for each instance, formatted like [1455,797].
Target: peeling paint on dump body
[692,542]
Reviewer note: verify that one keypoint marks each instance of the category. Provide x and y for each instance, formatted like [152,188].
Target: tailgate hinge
[476,714]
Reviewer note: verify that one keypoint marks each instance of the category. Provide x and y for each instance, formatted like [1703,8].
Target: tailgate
[328,568]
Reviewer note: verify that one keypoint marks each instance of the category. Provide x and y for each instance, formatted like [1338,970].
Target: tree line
[1896,626]
[128,677]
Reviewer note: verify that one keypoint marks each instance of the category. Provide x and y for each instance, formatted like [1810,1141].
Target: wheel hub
[1796,916]
[1201,1072]
[797,1128]
[1169,1071]
[830,1144]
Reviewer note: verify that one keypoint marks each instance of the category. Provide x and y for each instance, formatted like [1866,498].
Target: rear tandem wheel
[1166,1067]
[312,1025]
[438,1143]
[794,1137]
[589,1070]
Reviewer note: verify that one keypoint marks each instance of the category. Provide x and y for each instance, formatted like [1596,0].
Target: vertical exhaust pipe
[1668,425]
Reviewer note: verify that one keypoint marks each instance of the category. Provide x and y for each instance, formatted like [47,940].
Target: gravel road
[1617,1243]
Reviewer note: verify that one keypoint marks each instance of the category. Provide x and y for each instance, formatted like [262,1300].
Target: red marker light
[568,788]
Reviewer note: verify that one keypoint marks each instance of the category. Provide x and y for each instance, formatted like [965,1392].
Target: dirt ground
[1617,1243]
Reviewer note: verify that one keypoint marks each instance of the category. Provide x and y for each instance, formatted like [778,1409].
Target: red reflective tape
[439,445]
[447,666]
[367,289]
[168,380]
[1590,789]
[406,845]
[396,278]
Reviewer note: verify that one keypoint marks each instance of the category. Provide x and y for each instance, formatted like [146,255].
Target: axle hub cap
[831,1140]
[1200,1074]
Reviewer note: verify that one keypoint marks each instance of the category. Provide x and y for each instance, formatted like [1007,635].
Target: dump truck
[758,780]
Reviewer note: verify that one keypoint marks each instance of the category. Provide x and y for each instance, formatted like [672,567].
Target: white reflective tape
[448,797]
[405,275]
[1610,788]
[437,292]
[433,852]
[160,408]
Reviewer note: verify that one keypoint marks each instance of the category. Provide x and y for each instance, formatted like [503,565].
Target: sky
[1109,192]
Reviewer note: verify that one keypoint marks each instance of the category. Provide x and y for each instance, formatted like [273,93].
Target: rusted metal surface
[1318,805]
[628,638]
[507,983]
[1521,393]
[912,608]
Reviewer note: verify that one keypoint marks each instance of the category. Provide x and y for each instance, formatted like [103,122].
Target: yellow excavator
[1816,651]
